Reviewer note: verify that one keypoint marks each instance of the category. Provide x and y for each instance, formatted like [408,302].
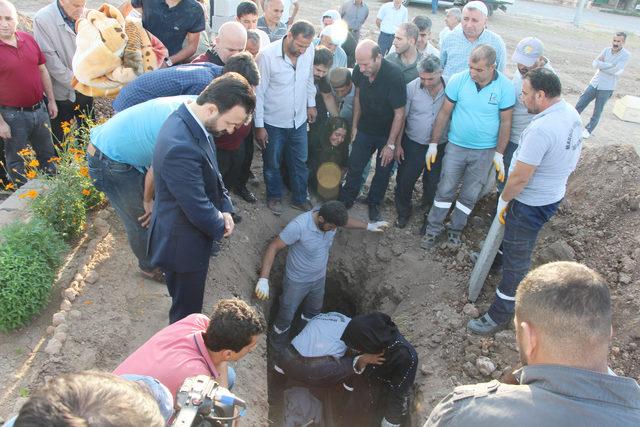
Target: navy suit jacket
[189,196]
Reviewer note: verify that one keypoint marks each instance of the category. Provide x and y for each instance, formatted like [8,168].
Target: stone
[634,204]
[470,310]
[424,370]
[59,318]
[470,357]
[78,278]
[60,336]
[104,214]
[557,251]
[615,350]
[50,329]
[505,336]
[65,305]
[92,277]
[100,223]
[624,278]
[70,294]
[485,365]
[470,370]
[62,328]
[53,346]
[74,314]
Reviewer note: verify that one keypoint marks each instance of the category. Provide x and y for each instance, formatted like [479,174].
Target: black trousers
[68,110]
[187,293]
[410,170]
[245,168]
[229,164]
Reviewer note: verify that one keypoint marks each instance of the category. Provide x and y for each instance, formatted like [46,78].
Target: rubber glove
[502,210]
[262,289]
[498,162]
[378,226]
[432,153]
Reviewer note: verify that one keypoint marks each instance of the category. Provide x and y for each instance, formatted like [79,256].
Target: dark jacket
[189,196]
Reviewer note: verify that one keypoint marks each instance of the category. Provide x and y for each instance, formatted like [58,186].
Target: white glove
[262,289]
[501,211]
[432,153]
[498,162]
[378,226]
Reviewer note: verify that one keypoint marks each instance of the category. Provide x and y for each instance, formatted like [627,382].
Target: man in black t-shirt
[378,113]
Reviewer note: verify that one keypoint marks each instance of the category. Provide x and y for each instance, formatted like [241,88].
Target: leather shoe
[485,325]
[374,213]
[275,206]
[402,221]
[247,195]
[304,206]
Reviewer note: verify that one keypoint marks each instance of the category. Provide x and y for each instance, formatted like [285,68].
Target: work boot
[453,237]
[374,213]
[429,241]
[484,325]
[275,206]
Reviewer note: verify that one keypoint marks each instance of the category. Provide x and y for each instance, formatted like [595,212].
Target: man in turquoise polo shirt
[119,156]
[480,103]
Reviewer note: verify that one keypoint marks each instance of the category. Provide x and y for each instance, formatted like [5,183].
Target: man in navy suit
[192,206]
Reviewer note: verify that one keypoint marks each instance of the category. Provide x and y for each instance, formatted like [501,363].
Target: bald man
[231,39]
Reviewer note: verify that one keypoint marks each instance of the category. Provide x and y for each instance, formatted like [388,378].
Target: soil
[116,310]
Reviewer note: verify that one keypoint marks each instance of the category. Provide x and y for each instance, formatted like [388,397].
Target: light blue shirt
[321,336]
[475,121]
[308,248]
[130,136]
[339,55]
[610,68]
[456,48]
[552,143]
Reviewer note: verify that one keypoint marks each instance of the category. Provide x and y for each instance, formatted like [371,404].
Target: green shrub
[30,255]
[61,206]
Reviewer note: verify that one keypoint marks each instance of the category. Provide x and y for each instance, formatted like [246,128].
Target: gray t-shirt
[308,248]
[552,142]
[321,336]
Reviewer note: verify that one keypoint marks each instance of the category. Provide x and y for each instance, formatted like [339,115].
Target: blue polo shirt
[171,24]
[187,79]
[130,136]
[476,116]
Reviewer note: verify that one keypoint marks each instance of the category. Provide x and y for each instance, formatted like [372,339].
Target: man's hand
[369,359]
[5,130]
[432,154]
[378,226]
[312,114]
[501,211]
[262,289]
[262,138]
[386,155]
[354,132]
[146,218]
[399,154]
[498,162]
[228,224]
[53,109]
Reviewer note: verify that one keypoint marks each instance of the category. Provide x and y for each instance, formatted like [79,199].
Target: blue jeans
[523,223]
[124,186]
[292,144]
[601,97]
[385,40]
[363,147]
[434,6]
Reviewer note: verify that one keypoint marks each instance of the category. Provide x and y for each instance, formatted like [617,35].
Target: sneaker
[374,213]
[247,195]
[429,241]
[275,206]
[304,206]
[156,275]
[453,237]
[585,134]
[484,325]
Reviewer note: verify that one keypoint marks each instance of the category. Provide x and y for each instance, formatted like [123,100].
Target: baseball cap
[478,5]
[528,51]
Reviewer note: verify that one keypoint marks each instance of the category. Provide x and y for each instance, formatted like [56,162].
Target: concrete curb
[16,209]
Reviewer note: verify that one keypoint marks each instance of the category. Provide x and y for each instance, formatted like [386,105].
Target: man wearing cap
[343,91]
[456,48]
[610,66]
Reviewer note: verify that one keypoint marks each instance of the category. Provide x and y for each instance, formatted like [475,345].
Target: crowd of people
[318,104]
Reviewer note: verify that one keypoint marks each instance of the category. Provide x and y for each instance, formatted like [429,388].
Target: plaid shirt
[455,51]
[188,79]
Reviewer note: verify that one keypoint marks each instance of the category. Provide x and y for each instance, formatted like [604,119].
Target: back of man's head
[339,77]
[322,56]
[243,64]
[228,91]
[569,307]
[95,399]
[483,53]
[233,325]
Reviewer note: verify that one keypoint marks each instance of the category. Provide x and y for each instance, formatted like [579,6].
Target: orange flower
[25,152]
[9,186]
[31,194]
[76,107]
[54,160]
[84,171]
[66,127]
[86,192]
[34,163]
[31,174]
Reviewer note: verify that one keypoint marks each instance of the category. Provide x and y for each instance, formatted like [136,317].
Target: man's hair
[410,30]
[545,80]
[227,91]
[422,22]
[91,398]
[243,64]
[334,212]
[568,303]
[485,53]
[339,77]
[253,36]
[456,12]
[375,51]
[430,64]
[303,28]
[233,324]
[323,56]
[622,34]
[246,8]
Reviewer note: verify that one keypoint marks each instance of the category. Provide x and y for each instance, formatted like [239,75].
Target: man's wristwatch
[392,146]
[168,61]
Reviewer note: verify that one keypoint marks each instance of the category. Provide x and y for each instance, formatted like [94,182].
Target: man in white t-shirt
[389,18]
[548,153]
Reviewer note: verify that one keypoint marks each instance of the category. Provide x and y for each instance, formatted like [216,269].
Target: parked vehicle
[491,4]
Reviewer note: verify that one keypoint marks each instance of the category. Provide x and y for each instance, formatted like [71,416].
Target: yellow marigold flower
[25,152]
[76,107]
[31,194]
[34,163]
[54,160]
[78,156]
[86,192]
[9,186]
[84,171]
[31,174]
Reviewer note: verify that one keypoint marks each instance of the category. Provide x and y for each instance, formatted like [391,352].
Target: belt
[94,151]
[305,359]
[31,108]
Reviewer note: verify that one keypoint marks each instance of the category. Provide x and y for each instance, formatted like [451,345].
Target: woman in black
[328,156]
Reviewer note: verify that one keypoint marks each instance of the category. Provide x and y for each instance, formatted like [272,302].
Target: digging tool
[485,259]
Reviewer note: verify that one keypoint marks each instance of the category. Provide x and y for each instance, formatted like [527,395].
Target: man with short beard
[270,21]
[563,324]
[405,55]
[192,207]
